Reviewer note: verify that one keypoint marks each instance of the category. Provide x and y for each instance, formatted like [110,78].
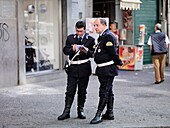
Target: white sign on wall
[75,12]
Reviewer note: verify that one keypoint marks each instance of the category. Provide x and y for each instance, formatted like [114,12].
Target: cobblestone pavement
[138,103]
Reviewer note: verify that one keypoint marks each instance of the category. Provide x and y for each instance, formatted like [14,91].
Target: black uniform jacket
[105,52]
[79,70]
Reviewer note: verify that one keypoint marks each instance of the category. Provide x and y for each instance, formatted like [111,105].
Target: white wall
[77,10]
[8,44]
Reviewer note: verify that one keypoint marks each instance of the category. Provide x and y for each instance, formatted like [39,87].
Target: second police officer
[107,59]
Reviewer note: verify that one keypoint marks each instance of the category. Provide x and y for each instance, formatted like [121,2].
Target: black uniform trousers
[73,83]
[106,86]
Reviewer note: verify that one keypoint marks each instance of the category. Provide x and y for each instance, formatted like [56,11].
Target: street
[139,103]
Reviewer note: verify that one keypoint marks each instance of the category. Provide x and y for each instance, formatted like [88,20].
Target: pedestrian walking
[107,59]
[158,43]
[79,47]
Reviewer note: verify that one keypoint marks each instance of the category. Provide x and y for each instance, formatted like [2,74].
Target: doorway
[104,8]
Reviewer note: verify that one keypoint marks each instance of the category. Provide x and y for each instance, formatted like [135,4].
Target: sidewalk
[138,103]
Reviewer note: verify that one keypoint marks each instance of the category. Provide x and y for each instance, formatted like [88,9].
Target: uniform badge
[109,44]
[99,50]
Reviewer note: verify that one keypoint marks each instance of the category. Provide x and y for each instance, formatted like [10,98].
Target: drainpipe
[164,21]
[164,25]
[168,29]
[168,23]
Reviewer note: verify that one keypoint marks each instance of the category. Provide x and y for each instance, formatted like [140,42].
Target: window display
[127,19]
[130,54]
[39,35]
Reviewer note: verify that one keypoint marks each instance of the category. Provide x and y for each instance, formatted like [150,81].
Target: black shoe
[161,81]
[157,82]
[81,115]
[97,119]
[64,116]
[108,117]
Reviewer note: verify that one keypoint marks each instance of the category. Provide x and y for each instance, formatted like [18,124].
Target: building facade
[33,32]
[32,35]
[31,40]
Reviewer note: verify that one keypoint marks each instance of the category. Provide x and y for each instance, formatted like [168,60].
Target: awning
[130,4]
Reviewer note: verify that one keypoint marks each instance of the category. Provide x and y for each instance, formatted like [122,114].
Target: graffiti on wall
[4,34]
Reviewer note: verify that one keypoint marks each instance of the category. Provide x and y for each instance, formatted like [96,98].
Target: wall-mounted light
[31,9]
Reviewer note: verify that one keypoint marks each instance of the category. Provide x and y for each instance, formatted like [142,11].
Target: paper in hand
[85,48]
[78,47]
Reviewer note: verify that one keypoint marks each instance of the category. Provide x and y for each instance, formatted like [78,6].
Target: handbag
[67,63]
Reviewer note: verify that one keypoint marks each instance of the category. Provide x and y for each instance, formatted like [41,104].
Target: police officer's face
[80,31]
[98,26]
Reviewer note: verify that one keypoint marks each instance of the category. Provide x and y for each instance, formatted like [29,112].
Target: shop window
[39,35]
[127,19]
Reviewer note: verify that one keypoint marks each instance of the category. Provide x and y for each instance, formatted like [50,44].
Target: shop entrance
[104,8]
[40,35]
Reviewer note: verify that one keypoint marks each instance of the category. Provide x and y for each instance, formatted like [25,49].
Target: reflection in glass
[43,8]
[39,35]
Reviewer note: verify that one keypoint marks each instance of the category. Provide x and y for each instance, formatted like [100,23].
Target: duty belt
[78,61]
[105,64]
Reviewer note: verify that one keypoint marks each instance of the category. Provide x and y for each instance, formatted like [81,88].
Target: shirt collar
[82,36]
[102,32]
[157,31]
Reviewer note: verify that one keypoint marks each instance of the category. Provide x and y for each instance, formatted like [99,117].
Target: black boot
[66,112]
[80,110]
[98,117]
[109,112]
[81,114]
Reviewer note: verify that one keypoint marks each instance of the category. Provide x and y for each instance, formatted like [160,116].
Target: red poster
[127,55]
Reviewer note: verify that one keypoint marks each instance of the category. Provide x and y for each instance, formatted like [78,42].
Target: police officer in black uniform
[82,45]
[107,59]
